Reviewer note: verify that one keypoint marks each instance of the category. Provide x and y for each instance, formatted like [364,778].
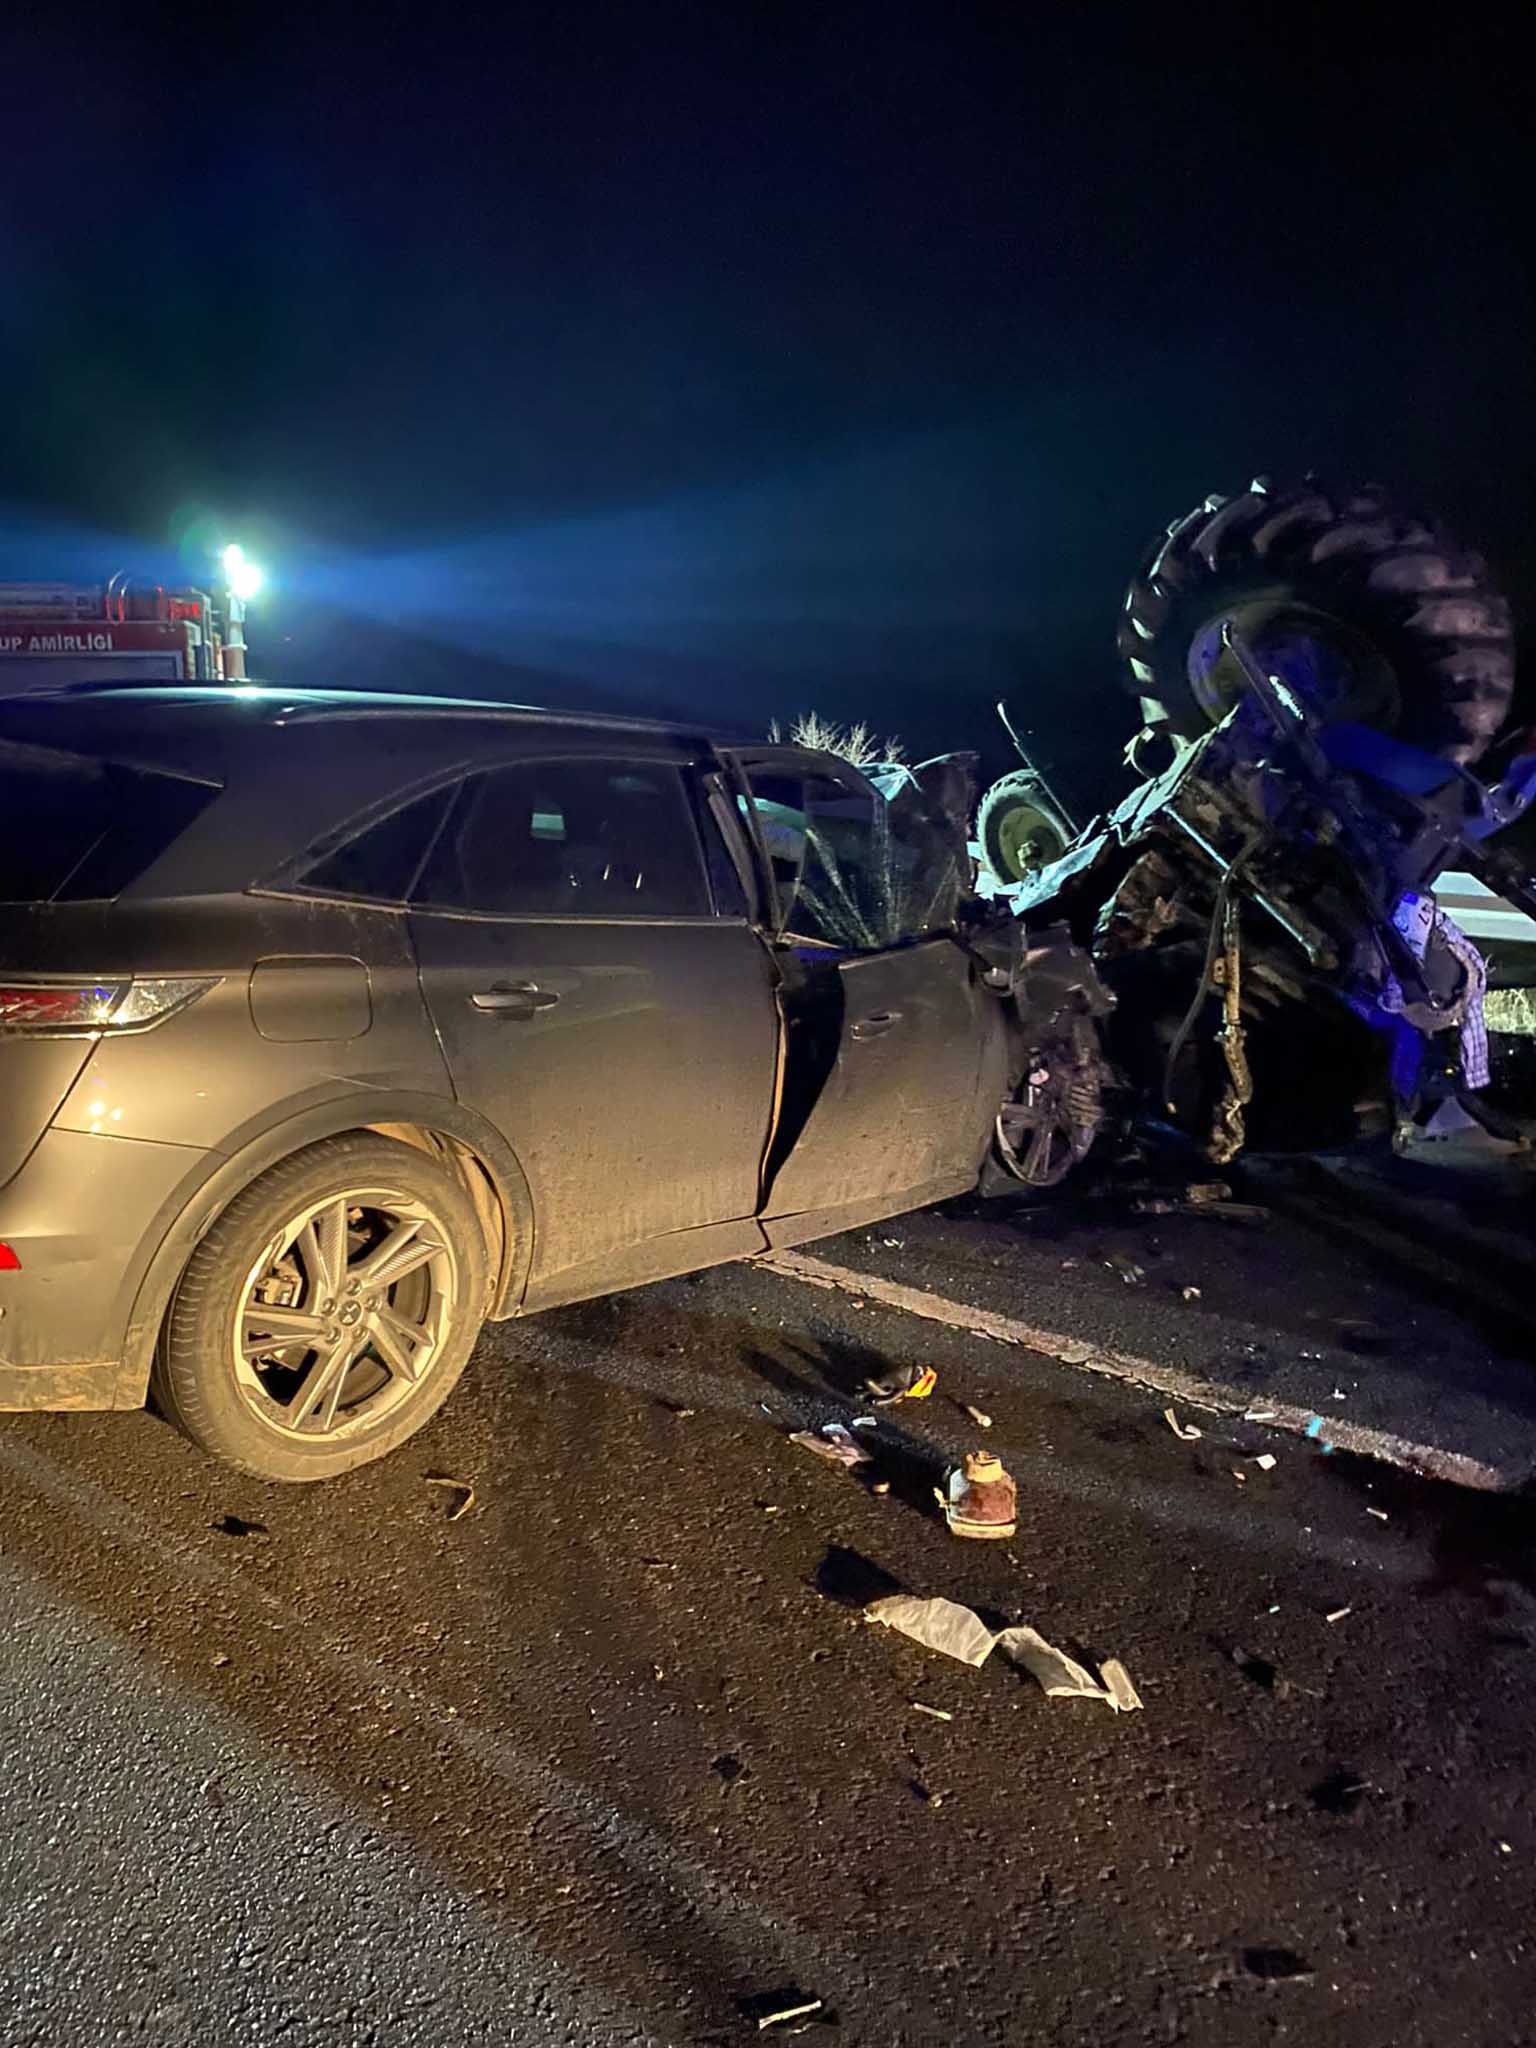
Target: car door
[600,1010]
[895,1050]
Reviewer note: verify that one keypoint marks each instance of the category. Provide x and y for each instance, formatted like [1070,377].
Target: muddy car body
[333,1021]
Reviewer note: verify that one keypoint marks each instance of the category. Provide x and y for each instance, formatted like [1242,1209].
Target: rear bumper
[83,1216]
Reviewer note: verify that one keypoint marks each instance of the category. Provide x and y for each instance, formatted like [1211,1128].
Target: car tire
[1410,633]
[327,1313]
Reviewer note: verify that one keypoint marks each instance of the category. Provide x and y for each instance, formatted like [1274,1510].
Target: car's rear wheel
[328,1312]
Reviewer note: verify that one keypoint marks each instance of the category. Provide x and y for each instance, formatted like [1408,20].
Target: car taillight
[9,1263]
[85,1009]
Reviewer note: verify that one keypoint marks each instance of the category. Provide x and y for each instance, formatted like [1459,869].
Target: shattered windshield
[855,870]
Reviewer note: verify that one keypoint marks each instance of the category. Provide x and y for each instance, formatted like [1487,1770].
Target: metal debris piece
[937,1713]
[981,1421]
[1338,1614]
[1186,1432]
[1380,1514]
[457,1508]
[832,1442]
[1227,1133]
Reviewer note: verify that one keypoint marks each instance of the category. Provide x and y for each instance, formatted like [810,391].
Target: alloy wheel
[344,1313]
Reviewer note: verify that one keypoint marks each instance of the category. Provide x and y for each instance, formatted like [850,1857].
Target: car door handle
[874,1026]
[520,1001]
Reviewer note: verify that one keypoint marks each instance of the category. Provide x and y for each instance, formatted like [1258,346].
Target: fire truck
[123,630]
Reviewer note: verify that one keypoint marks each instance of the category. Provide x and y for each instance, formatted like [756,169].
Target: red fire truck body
[52,634]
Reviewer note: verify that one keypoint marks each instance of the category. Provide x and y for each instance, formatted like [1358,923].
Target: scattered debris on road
[1380,1514]
[1189,1294]
[1252,1213]
[461,1494]
[1338,1614]
[1127,1268]
[236,1525]
[1276,1965]
[936,1713]
[1340,1792]
[832,1442]
[907,1383]
[942,1625]
[978,1498]
[772,2010]
[981,1421]
[956,1631]
[1186,1432]
[1265,1461]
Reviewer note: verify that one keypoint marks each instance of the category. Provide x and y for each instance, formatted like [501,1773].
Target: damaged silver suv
[331,1025]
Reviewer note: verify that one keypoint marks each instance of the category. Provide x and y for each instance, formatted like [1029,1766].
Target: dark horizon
[841,362]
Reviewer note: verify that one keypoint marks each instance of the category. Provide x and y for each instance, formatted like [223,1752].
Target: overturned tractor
[1249,945]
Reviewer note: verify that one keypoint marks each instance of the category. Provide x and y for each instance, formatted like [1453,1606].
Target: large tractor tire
[1371,614]
[1017,831]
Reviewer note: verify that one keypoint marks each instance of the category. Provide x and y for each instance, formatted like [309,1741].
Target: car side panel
[206,1072]
[637,1100]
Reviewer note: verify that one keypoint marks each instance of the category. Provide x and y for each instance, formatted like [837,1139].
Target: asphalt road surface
[614,1757]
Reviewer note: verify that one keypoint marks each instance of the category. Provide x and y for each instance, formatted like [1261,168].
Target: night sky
[730,360]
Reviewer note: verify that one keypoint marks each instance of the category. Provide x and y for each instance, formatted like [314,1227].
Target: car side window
[380,862]
[846,870]
[570,838]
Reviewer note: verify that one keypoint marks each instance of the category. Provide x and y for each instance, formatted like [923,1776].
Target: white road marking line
[1168,1380]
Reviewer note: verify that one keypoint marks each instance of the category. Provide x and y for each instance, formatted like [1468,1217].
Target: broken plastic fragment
[907,1383]
[981,1421]
[1265,1461]
[1186,1432]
